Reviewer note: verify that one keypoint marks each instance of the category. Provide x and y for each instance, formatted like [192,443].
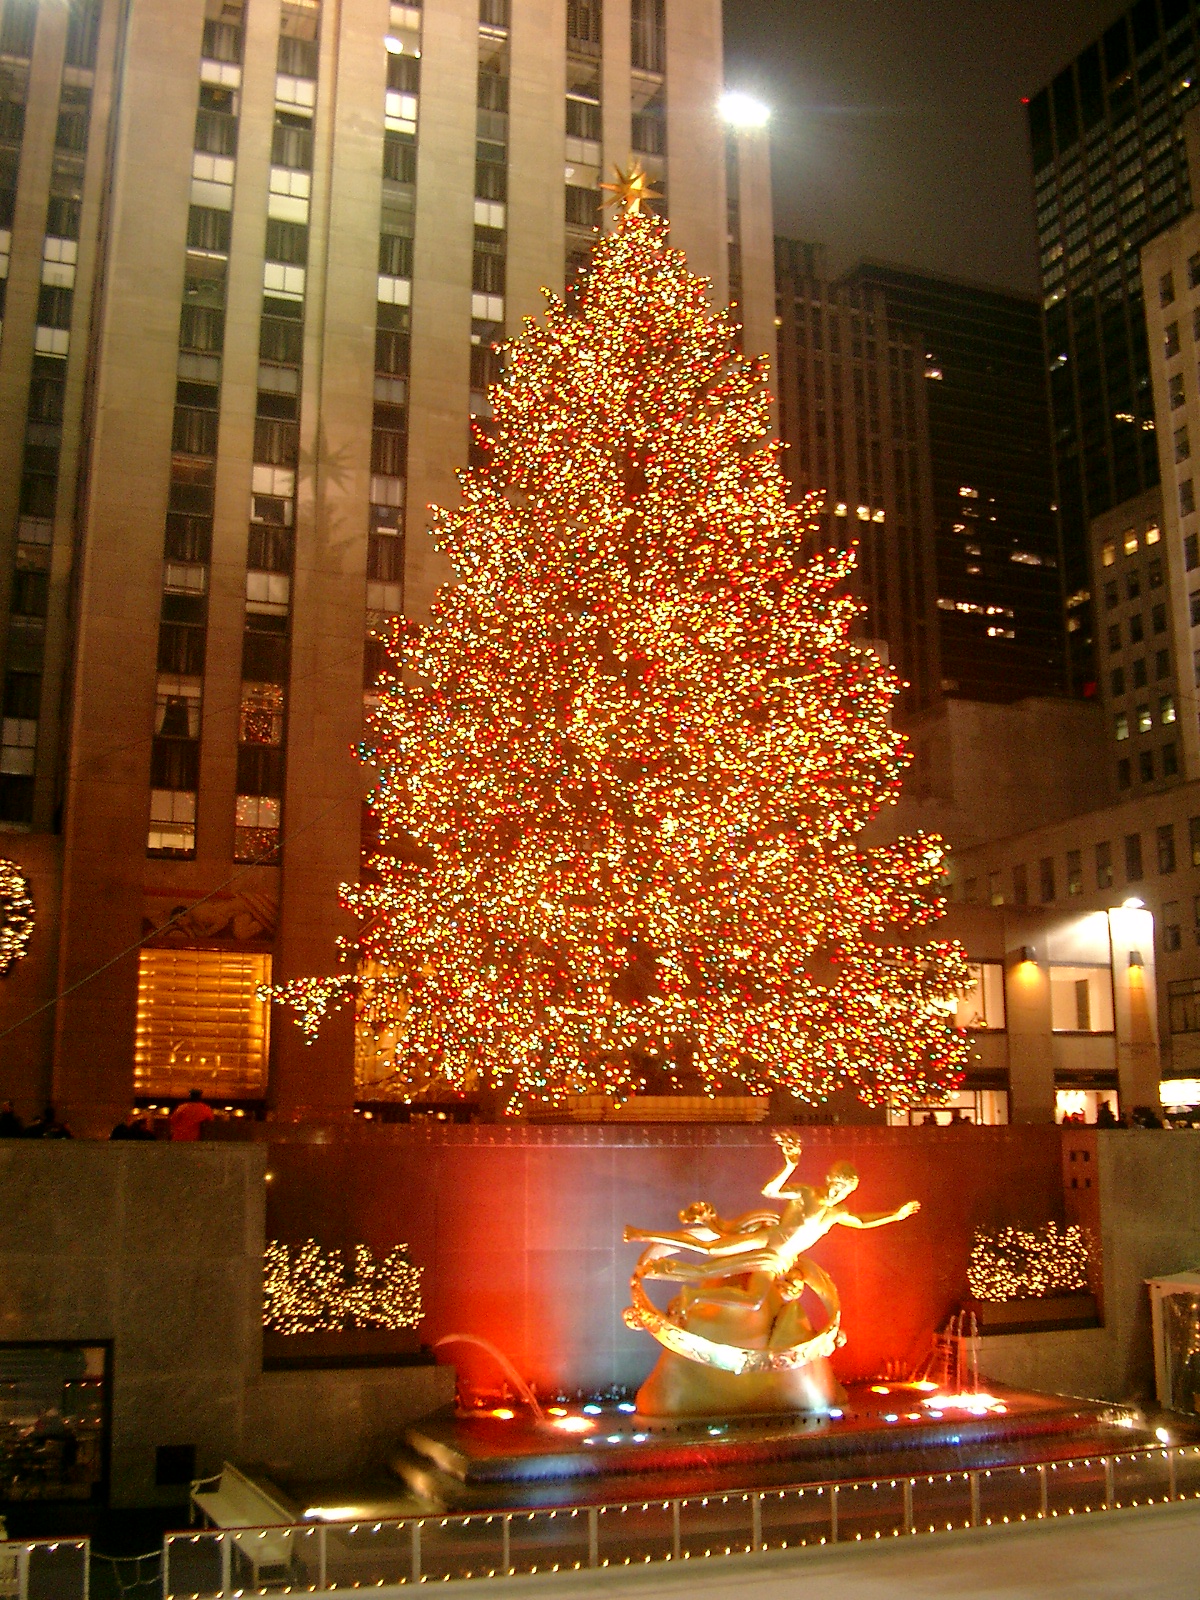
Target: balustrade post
[593,1537]
[1044,1489]
[1172,1490]
[908,1505]
[833,1514]
[974,1480]
[322,1552]
[756,1538]
[414,1529]
[1109,1490]
[676,1540]
[506,1545]
[226,1562]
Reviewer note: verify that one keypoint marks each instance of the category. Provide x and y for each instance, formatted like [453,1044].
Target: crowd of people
[184,1125]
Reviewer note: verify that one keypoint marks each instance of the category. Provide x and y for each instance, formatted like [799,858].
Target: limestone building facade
[256,256]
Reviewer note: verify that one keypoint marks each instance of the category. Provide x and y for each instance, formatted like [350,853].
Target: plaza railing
[210,1564]
[44,1569]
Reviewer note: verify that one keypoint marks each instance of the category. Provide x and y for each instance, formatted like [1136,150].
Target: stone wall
[158,1249]
[1147,1215]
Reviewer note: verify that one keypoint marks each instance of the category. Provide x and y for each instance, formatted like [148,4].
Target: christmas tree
[622,770]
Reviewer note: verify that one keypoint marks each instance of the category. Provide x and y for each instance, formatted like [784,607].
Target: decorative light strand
[1024,1264]
[312,1291]
[622,770]
[16,915]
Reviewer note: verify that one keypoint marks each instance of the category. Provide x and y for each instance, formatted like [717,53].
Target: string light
[313,1292]
[1020,1264]
[16,915]
[622,770]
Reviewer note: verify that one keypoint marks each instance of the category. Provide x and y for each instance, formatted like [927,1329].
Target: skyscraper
[259,254]
[853,414]
[1110,169]
[959,466]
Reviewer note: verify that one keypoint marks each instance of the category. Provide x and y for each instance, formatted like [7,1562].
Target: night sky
[898,128]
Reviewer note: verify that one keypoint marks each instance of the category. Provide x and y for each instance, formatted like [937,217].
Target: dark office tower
[957,443]
[852,411]
[999,584]
[1109,170]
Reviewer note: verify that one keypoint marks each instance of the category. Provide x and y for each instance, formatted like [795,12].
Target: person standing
[188,1117]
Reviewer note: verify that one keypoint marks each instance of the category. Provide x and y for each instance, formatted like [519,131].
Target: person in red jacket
[188,1117]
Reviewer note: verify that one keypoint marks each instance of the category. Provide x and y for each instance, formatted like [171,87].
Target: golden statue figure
[736,1338]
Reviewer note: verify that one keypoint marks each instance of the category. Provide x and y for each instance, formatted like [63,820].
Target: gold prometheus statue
[736,1337]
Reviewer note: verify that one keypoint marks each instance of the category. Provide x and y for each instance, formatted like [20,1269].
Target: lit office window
[200,1024]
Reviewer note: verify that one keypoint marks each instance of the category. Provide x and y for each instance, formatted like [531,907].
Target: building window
[1187,502]
[1020,878]
[1046,878]
[648,18]
[1111,597]
[200,1023]
[995,889]
[1146,765]
[1191,551]
[1133,588]
[1162,663]
[1121,726]
[1194,839]
[1137,628]
[1170,761]
[1133,858]
[1175,393]
[1183,447]
[971,891]
[1139,673]
[1165,837]
[1124,773]
[1118,681]
[981,1009]
[1104,864]
[1114,636]
[1129,542]
[1081,1000]
[1158,618]
[1074,872]
[1144,720]
[1108,552]
[1166,709]
[172,830]
[1171,340]
[1172,933]
[584,33]
[1154,571]
[1183,1004]
[1166,289]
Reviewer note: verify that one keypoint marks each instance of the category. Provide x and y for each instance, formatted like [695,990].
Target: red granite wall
[518,1229]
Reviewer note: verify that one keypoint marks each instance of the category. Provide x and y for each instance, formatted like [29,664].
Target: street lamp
[743,111]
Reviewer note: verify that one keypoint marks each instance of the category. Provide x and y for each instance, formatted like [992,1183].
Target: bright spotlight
[743,110]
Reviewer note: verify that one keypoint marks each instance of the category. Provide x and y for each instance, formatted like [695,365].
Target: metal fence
[44,1569]
[211,1563]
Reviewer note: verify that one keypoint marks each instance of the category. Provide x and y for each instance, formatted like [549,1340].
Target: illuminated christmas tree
[622,770]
